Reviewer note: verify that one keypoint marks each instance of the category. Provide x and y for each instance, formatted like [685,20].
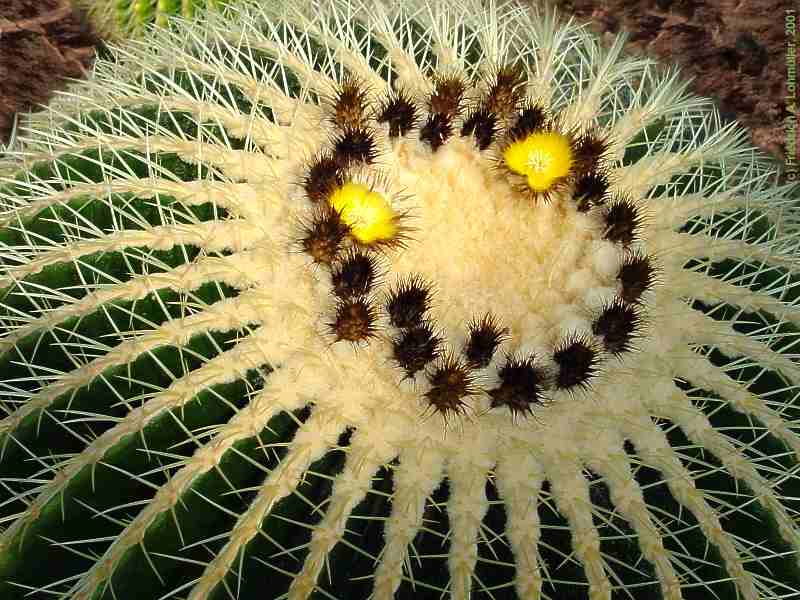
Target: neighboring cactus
[126,18]
[340,299]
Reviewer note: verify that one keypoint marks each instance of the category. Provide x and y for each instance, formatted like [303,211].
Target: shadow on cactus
[349,301]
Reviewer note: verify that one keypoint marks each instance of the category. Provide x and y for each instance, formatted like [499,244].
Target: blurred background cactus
[212,388]
[116,19]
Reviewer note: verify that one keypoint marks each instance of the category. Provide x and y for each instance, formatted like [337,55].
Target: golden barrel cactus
[353,299]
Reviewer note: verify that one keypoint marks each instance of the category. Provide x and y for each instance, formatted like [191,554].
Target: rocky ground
[734,49]
[41,43]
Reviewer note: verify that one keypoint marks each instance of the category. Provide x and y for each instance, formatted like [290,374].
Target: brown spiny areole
[621,221]
[482,125]
[355,320]
[636,275]
[506,91]
[350,104]
[408,301]
[522,385]
[450,382]
[324,175]
[447,94]
[437,130]
[415,347]
[485,335]
[590,190]
[531,118]
[323,236]
[354,145]
[400,112]
[577,361]
[616,325]
[590,151]
[354,274]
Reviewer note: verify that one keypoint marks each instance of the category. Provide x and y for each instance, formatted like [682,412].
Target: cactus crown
[356,300]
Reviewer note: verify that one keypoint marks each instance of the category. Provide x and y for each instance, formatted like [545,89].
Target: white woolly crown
[494,267]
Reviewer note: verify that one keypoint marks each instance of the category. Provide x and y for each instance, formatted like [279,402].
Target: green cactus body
[432,299]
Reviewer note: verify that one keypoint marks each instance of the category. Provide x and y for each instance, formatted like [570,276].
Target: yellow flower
[368,214]
[543,157]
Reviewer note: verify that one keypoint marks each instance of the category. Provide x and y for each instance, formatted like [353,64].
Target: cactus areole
[349,299]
